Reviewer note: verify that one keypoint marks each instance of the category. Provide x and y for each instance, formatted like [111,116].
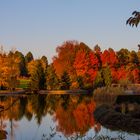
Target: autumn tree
[86,66]
[135,76]
[9,70]
[65,59]
[81,63]
[81,66]
[122,73]
[109,58]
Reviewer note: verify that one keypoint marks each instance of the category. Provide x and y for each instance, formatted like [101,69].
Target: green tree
[22,64]
[80,82]
[65,81]
[99,81]
[97,51]
[37,75]
[29,57]
[103,78]
[97,48]
[133,58]
[52,80]
[44,62]
[123,57]
[107,76]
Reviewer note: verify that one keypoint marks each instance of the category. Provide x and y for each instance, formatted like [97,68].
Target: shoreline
[78,91]
[16,92]
[41,92]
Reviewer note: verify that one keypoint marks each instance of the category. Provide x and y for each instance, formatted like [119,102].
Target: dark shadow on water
[107,116]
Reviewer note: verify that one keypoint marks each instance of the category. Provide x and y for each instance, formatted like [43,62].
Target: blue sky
[40,26]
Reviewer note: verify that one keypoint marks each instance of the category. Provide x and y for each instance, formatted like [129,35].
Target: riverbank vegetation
[76,66]
[107,94]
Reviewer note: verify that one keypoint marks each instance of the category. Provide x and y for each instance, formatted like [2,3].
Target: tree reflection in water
[77,117]
[72,115]
[3,133]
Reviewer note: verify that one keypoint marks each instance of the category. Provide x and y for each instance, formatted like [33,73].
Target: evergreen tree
[37,76]
[133,58]
[99,81]
[107,76]
[22,64]
[52,81]
[123,57]
[29,57]
[80,82]
[65,81]
[44,62]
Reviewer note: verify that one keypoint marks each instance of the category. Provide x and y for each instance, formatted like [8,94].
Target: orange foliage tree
[66,55]
[64,61]
[9,70]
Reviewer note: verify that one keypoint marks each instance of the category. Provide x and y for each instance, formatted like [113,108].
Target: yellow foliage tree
[9,71]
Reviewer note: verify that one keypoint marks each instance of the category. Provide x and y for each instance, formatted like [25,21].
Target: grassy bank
[24,83]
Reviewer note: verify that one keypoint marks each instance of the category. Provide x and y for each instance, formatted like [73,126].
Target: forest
[75,66]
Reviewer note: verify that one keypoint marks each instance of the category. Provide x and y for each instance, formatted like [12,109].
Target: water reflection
[74,115]
[49,117]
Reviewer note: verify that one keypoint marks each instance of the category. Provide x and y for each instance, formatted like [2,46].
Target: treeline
[75,66]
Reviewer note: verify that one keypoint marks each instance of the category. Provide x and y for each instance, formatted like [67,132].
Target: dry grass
[107,94]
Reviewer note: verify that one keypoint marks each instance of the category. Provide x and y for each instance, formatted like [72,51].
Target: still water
[53,117]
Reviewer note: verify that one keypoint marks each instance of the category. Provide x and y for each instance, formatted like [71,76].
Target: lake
[53,117]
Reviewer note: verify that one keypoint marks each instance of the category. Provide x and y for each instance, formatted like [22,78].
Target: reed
[107,94]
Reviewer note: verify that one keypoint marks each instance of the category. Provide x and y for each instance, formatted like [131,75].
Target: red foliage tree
[109,58]
[136,75]
[86,65]
[122,73]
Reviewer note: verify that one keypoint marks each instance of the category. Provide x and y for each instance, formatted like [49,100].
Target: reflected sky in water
[53,117]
